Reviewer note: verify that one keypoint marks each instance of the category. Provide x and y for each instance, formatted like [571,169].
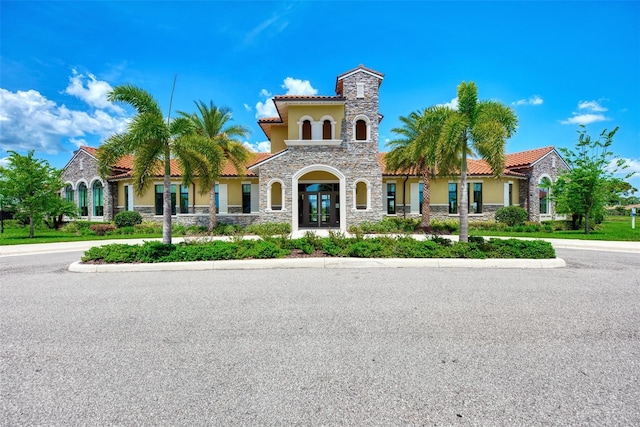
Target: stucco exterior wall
[316,112]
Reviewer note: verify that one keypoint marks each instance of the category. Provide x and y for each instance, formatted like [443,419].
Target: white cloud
[266,109]
[247,107]
[4,162]
[584,119]
[588,112]
[293,87]
[533,100]
[592,106]
[259,147]
[453,104]
[33,122]
[298,87]
[92,91]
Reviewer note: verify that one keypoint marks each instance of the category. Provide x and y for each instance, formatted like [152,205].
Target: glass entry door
[318,205]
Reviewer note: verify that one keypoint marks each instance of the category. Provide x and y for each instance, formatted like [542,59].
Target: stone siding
[84,168]
[356,160]
[552,166]
[441,213]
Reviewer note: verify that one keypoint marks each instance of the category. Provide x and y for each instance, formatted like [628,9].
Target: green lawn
[20,236]
[614,228]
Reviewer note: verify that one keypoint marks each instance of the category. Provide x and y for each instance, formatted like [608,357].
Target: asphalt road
[321,347]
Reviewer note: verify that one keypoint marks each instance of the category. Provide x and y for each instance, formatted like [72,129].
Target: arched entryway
[318,198]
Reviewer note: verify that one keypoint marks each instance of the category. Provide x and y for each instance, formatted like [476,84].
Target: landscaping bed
[336,245]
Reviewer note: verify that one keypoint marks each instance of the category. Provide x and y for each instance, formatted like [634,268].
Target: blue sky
[557,64]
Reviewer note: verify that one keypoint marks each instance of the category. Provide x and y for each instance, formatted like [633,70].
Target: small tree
[584,189]
[57,209]
[31,186]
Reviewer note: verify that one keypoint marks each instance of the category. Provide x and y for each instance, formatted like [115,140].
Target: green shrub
[114,253]
[313,239]
[387,225]
[127,219]
[102,229]
[70,227]
[263,249]
[514,248]
[368,248]
[268,229]
[225,229]
[148,227]
[447,226]
[126,230]
[511,215]
[155,251]
[336,245]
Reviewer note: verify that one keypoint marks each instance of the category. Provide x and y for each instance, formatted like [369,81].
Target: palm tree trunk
[212,208]
[425,223]
[166,199]
[464,206]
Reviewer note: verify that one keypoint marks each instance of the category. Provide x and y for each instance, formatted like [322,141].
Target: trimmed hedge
[512,215]
[335,245]
[127,219]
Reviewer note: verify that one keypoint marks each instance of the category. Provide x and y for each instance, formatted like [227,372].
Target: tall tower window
[361,130]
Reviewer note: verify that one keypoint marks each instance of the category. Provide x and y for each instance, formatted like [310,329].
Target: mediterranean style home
[324,171]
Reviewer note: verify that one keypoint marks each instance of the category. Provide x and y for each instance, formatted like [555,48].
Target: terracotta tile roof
[124,166]
[126,162]
[229,170]
[308,97]
[270,120]
[526,158]
[475,167]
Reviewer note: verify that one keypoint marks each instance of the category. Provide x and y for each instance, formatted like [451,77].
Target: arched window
[306,129]
[83,199]
[98,199]
[361,130]
[543,194]
[68,193]
[326,129]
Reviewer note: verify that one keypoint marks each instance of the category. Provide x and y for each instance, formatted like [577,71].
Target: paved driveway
[310,347]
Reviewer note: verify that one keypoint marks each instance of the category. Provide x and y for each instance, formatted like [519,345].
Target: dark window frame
[246,198]
[453,198]
[361,130]
[306,130]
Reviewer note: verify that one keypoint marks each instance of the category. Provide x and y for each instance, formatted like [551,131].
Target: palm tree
[153,141]
[477,128]
[415,150]
[211,123]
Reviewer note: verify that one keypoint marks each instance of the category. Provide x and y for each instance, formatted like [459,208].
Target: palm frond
[148,164]
[138,98]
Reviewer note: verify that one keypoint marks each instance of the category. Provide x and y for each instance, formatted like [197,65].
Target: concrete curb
[327,262]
